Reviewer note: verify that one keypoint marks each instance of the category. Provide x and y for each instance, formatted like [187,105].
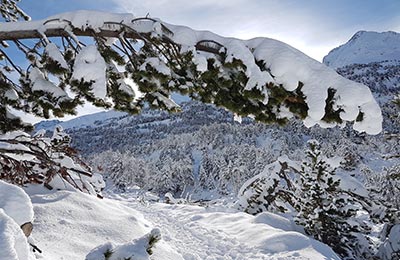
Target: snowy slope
[81,122]
[365,47]
[96,119]
[69,224]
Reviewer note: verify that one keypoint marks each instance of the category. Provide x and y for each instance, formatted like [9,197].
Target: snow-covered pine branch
[51,161]
[262,78]
[10,11]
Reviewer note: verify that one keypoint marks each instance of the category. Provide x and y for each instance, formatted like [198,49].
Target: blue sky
[313,26]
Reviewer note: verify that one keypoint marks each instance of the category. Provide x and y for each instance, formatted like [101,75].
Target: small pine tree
[324,209]
[312,194]
[272,190]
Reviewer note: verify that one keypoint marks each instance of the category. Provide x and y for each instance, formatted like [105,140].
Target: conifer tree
[324,210]
[234,74]
[311,193]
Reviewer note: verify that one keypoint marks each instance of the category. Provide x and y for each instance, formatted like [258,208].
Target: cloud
[312,26]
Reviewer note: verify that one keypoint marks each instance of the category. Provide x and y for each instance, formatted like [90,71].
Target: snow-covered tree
[324,209]
[99,58]
[312,194]
[259,77]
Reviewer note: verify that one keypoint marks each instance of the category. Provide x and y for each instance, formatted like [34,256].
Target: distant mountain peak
[365,47]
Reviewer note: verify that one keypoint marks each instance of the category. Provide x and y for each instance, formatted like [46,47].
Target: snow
[15,203]
[199,233]
[289,66]
[136,249]
[157,64]
[91,67]
[81,19]
[365,47]
[169,103]
[13,242]
[54,53]
[11,94]
[392,244]
[274,221]
[39,83]
[15,209]
[349,183]
[81,122]
[69,225]
[90,19]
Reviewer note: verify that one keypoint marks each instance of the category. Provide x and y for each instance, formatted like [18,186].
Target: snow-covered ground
[69,224]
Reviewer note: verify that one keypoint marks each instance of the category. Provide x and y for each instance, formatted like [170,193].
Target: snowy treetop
[261,78]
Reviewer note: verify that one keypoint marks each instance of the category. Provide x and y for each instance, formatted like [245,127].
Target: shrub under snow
[138,249]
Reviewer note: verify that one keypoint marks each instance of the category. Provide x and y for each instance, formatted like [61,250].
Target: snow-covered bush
[324,209]
[271,190]
[51,161]
[137,249]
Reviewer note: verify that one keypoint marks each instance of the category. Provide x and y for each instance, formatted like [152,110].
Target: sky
[313,26]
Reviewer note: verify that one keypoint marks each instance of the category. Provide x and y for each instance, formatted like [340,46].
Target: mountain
[370,58]
[91,120]
[365,47]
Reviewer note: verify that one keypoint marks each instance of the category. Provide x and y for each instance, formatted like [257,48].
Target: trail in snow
[198,233]
[192,240]
[68,225]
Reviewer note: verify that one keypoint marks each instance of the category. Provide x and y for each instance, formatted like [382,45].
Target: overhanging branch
[60,32]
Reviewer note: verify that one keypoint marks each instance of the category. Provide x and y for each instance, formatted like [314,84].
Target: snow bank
[267,237]
[15,203]
[15,210]
[69,224]
[199,233]
[137,249]
[13,243]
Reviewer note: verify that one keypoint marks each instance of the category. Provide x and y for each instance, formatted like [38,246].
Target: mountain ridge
[365,47]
